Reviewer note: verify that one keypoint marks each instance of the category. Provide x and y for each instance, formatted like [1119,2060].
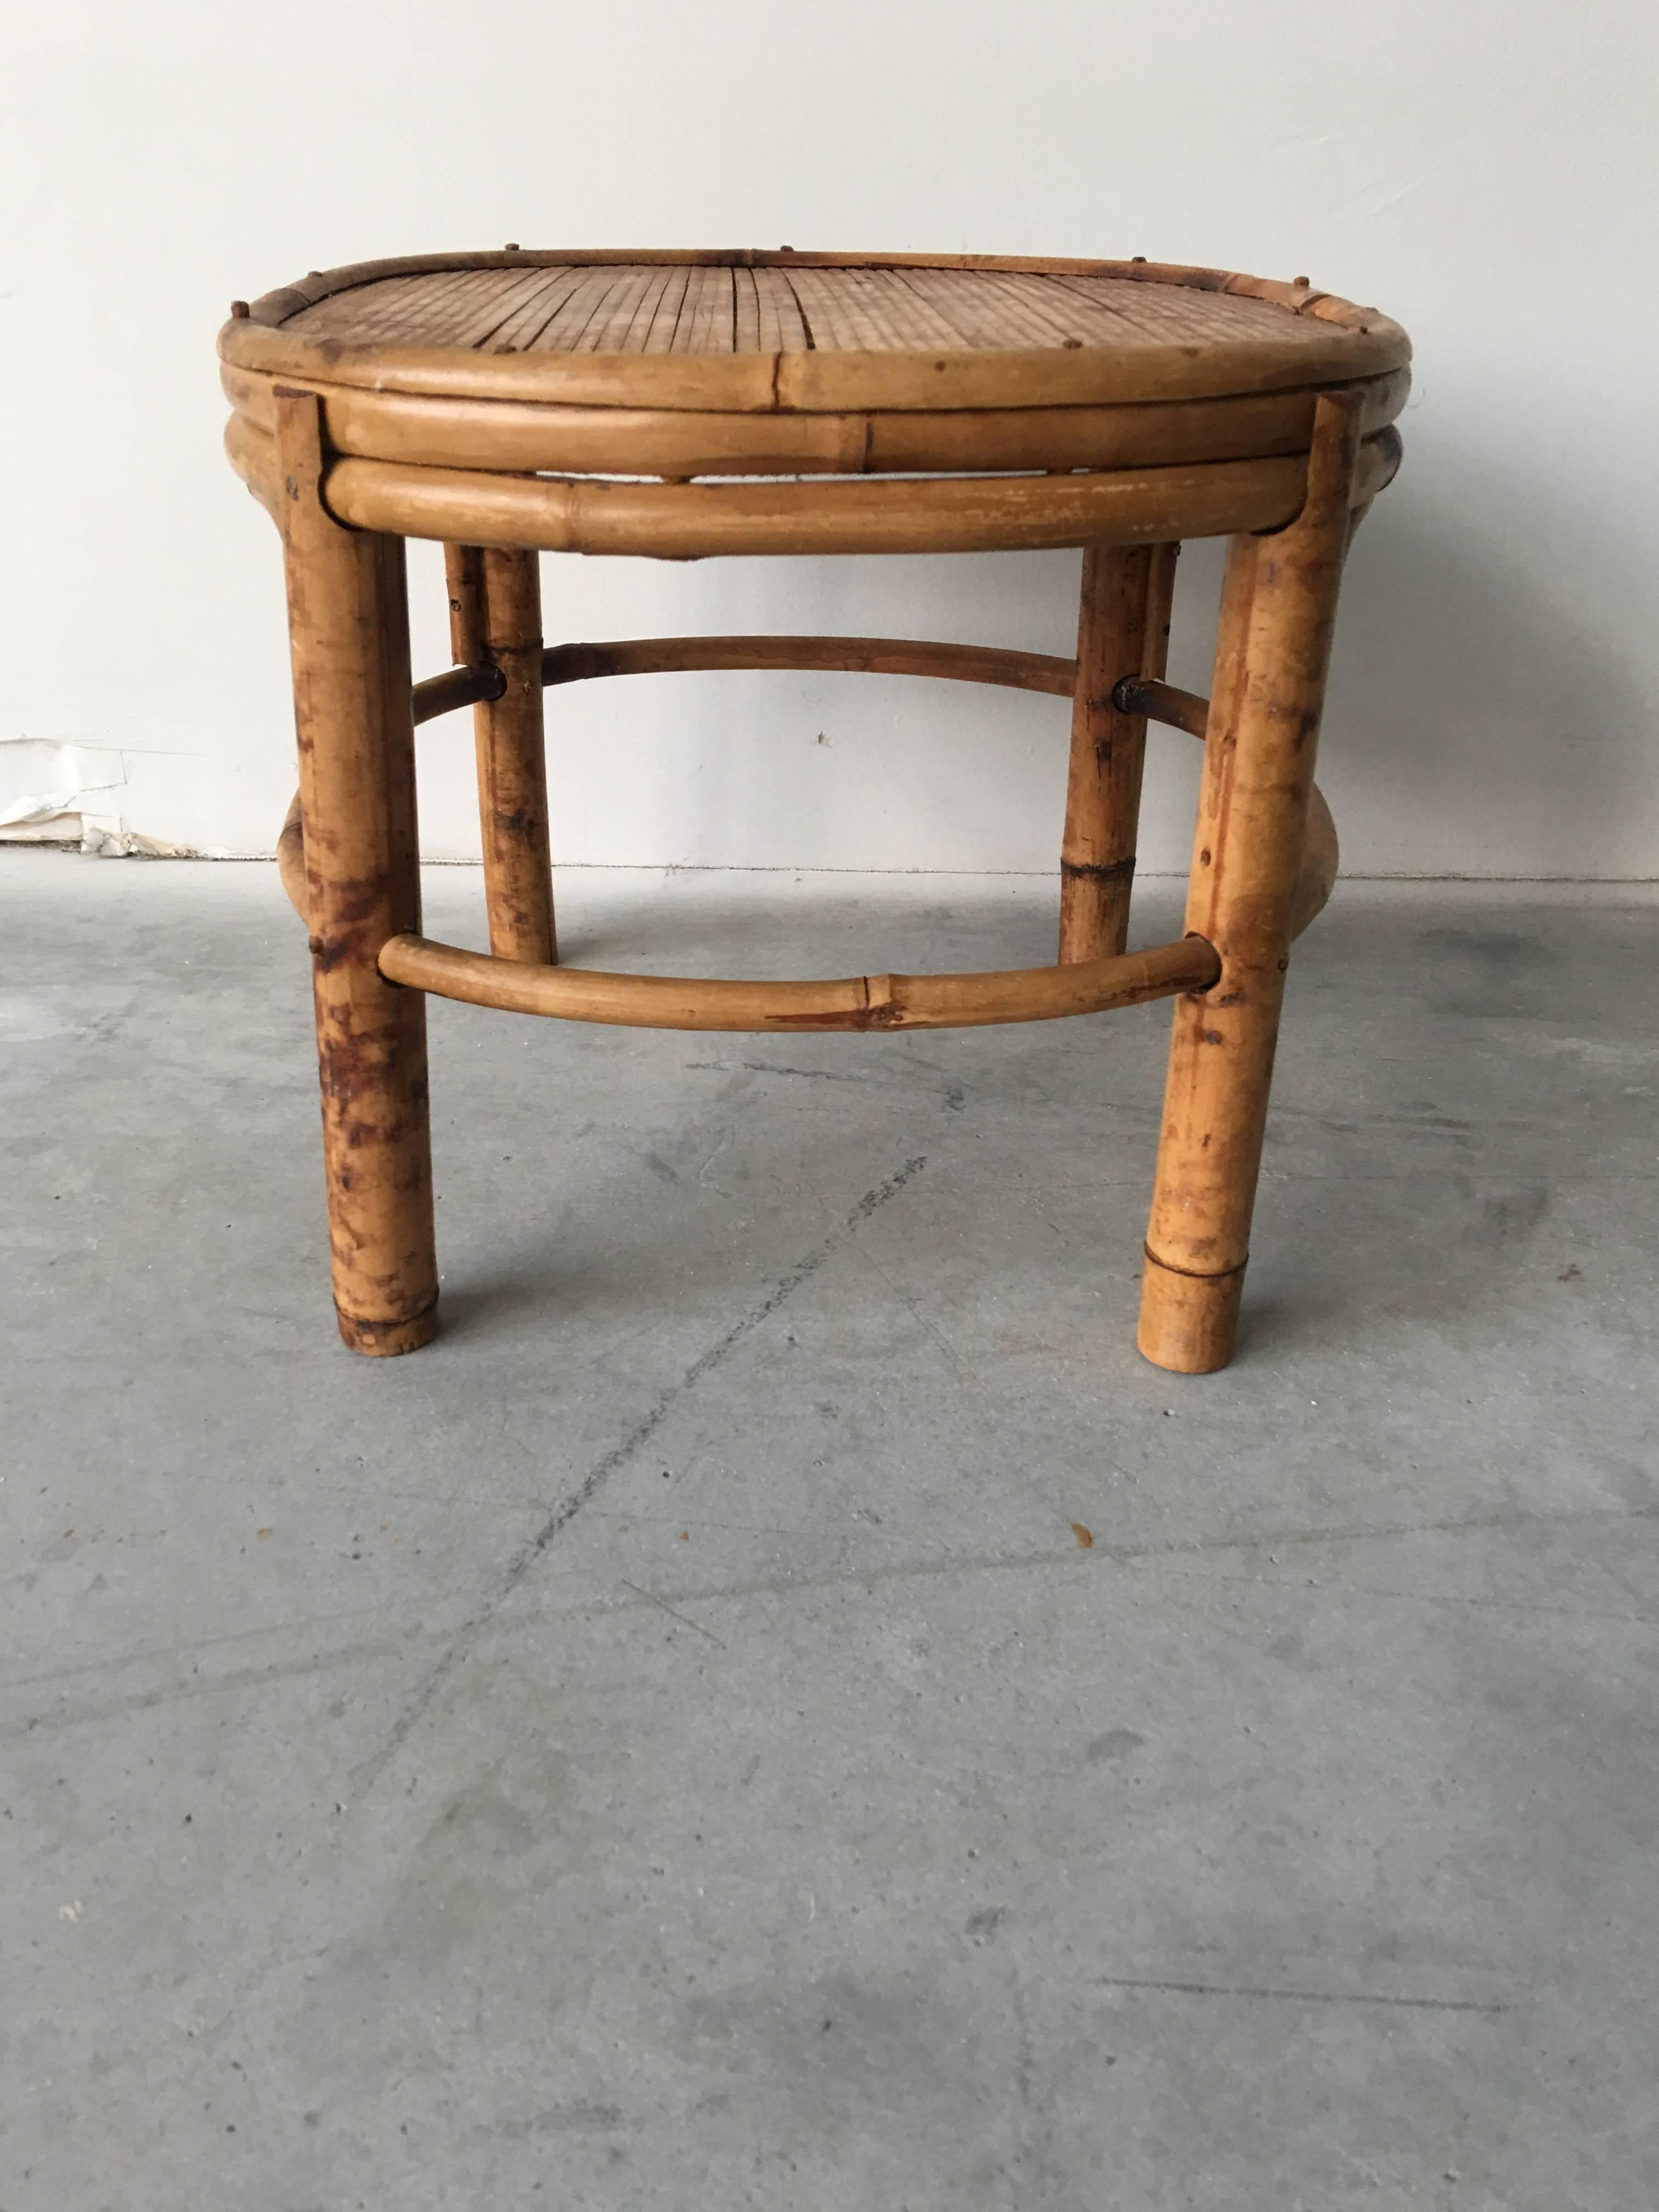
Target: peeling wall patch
[54,793]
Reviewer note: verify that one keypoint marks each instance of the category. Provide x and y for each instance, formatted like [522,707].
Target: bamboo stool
[510,404]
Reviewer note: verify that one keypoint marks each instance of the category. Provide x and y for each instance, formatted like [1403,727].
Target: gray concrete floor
[665,1745]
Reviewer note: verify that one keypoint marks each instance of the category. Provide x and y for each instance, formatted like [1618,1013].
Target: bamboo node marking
[1100,871]
[1198,1275]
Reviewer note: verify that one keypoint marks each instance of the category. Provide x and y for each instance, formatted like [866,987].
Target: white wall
[1484,172]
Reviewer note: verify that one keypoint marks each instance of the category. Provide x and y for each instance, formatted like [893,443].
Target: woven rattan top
[633,308]
[752,330]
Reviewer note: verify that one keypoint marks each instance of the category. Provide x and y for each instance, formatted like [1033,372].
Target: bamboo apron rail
[682,405]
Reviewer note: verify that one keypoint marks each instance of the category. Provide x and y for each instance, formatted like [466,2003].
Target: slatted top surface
[636,308]
[759,331]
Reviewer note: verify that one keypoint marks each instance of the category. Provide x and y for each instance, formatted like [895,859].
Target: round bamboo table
[685,404]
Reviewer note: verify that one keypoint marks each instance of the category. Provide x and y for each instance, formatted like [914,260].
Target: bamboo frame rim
[871,514]
[975,999]
[563,438]
[795,515]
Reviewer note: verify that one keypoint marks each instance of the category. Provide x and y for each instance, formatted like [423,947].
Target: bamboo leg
[349,632]
[495,612]
[1279,609]
[1123,630]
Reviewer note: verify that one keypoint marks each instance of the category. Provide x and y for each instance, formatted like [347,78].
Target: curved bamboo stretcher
[862,1002]
[682,406]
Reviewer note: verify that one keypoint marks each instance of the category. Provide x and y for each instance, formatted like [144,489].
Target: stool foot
[1189,1323]
[387,1339]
